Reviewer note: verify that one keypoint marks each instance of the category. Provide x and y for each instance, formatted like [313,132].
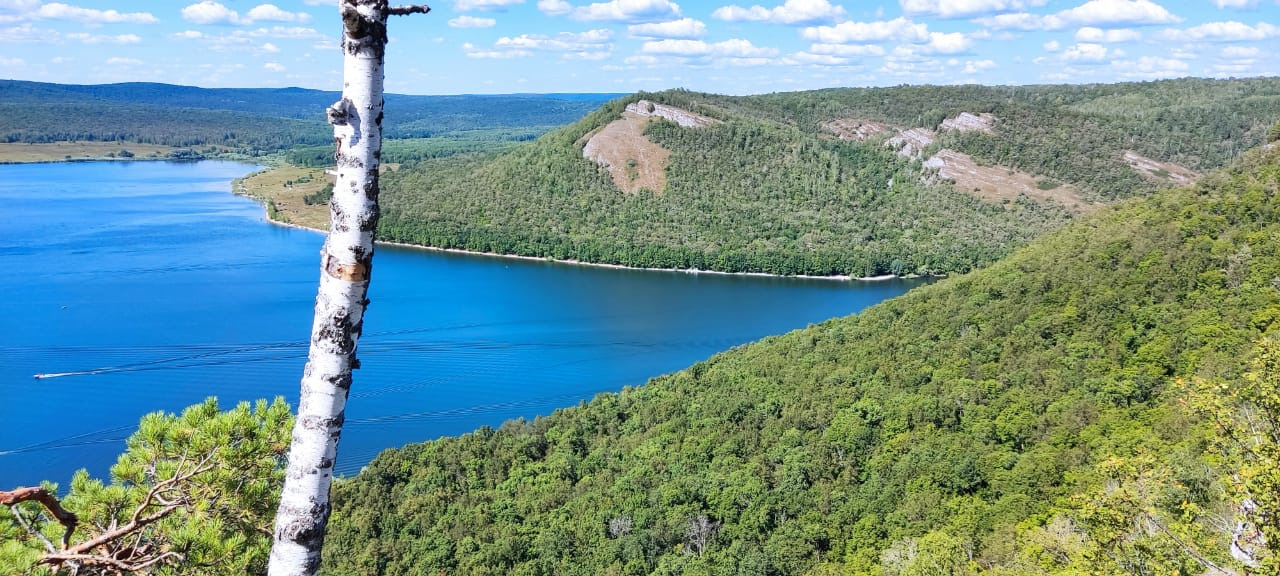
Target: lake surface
[152,287]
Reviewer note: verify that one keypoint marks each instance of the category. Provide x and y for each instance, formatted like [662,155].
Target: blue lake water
[155,287]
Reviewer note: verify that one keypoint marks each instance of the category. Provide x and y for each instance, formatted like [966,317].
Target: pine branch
[81,553]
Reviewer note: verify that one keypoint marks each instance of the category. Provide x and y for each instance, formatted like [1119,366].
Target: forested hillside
[259,119]
[769,185]
[1076,133]
[1034,417]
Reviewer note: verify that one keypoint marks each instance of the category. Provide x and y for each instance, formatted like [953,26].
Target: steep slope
[771,186]
[972,424]
[634,161]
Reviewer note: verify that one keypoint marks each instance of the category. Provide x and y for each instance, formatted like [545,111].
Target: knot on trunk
[340,112]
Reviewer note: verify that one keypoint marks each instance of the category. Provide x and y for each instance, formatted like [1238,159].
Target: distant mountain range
[252,118]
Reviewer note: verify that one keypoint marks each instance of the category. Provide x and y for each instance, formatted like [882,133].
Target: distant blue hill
[254,118]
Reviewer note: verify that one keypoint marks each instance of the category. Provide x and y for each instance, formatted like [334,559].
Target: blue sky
[725,46]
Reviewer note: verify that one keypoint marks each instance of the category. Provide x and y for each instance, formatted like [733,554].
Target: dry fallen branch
[406,10]
[50,502]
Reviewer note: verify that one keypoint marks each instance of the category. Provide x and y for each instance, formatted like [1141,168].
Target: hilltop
[1028,418]
[858,182]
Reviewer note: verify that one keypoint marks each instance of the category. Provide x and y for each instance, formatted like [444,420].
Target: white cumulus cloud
[564,42]
[1236,52]
[629,11]
[952,43]
[978,66]
[273,66]
[272,13]
[554,7]
[1098,13]
[1091,34]
[1242,4]
[1118,12]
[734,48]
[1085,52]
[683,28]
[92,17]
[587,55]
[469,5]
[465,21]
[474,52]
[812,59]
[1224,32]
[898,29]
[210,12]
[104,39]
[18,6]
[965,8]
[791,12]
[846,50]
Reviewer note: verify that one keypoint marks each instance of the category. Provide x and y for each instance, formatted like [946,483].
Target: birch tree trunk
[346,261]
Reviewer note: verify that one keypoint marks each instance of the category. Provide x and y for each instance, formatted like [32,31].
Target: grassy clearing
[284,187]
[17,152]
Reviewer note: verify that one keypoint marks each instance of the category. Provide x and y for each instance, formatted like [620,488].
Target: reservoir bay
[143,286]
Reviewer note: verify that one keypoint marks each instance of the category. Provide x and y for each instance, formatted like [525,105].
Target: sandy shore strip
[841,278]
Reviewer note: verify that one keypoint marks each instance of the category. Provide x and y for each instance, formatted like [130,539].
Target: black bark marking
[308,528]
[365,33]
[336,334]
[313,422]
[338,219]
[342,381]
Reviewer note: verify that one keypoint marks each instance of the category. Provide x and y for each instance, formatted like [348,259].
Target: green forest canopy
[1021,419]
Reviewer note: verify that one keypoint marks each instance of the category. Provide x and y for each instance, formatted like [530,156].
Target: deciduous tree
[346,261]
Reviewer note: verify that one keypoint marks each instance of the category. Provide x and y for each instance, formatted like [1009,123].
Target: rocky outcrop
[966,122]
[855,129]
[911,143]
[1001,185]
[1157,170]
[682,117]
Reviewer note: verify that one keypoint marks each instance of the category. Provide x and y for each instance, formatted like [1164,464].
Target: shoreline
[237,190]
[72,151]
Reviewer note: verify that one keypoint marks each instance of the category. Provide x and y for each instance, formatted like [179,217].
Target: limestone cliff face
[682,117]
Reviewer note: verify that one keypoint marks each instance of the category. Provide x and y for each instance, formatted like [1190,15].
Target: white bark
[345,264]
